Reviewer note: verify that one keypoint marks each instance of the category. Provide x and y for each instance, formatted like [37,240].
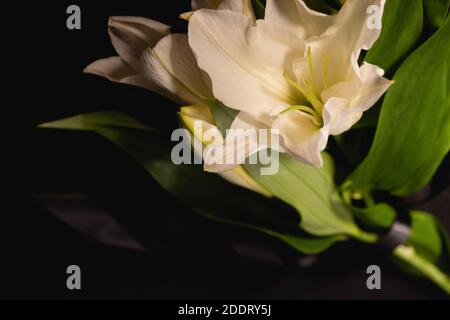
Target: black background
[186,256]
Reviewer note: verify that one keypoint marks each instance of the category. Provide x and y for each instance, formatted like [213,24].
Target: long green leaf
[402,27]
[436,11]
[379,215]
[426,236]
[310,190]
[413,133]
[426,250]
[207,194]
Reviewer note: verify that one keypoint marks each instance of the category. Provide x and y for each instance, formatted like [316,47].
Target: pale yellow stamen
[316,103]
[309,85]
[294,84]
[313,115]
[308,91]
[311,68]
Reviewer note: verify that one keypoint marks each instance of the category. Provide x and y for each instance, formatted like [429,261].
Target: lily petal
[373,86]
[301,138]
[346,101]
[338,116]
[172,66]
[114,69]
[337,112]
[244,62]
[340,45]
[296,19]
[315,23]
[130,36]
[344,90]
[241,6]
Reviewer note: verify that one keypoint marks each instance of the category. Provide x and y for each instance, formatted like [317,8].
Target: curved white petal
[172,66]
[245,62]
[337,113]
[115,70]
[296,19]
[373,86]
[301,138]
[241,6]
[346,101]
[353,26]
[340,45]
[344,89]
[130,36]
[338,116]
[315,22]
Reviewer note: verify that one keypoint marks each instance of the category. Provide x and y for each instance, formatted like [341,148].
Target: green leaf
[305,245]
[436,11]
[223,116]
[370,118]
[413,133]
[353,145]
[380,215]
[212,196]
[402,28]
[309,190]
[94,120]
[426,236]
[425,249]
[408,257]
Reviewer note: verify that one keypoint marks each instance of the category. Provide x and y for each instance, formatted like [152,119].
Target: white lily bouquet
[287,100]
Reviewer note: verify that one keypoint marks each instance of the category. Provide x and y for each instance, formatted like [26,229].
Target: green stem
[409,255]
[368,199]
[366,237]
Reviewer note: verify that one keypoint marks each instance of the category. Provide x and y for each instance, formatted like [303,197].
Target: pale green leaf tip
[57,125]
[47,125]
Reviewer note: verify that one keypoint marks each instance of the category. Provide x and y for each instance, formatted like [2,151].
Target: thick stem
[409,255]
[366,237]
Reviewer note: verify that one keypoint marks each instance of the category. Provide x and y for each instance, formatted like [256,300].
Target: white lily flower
[297,70]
